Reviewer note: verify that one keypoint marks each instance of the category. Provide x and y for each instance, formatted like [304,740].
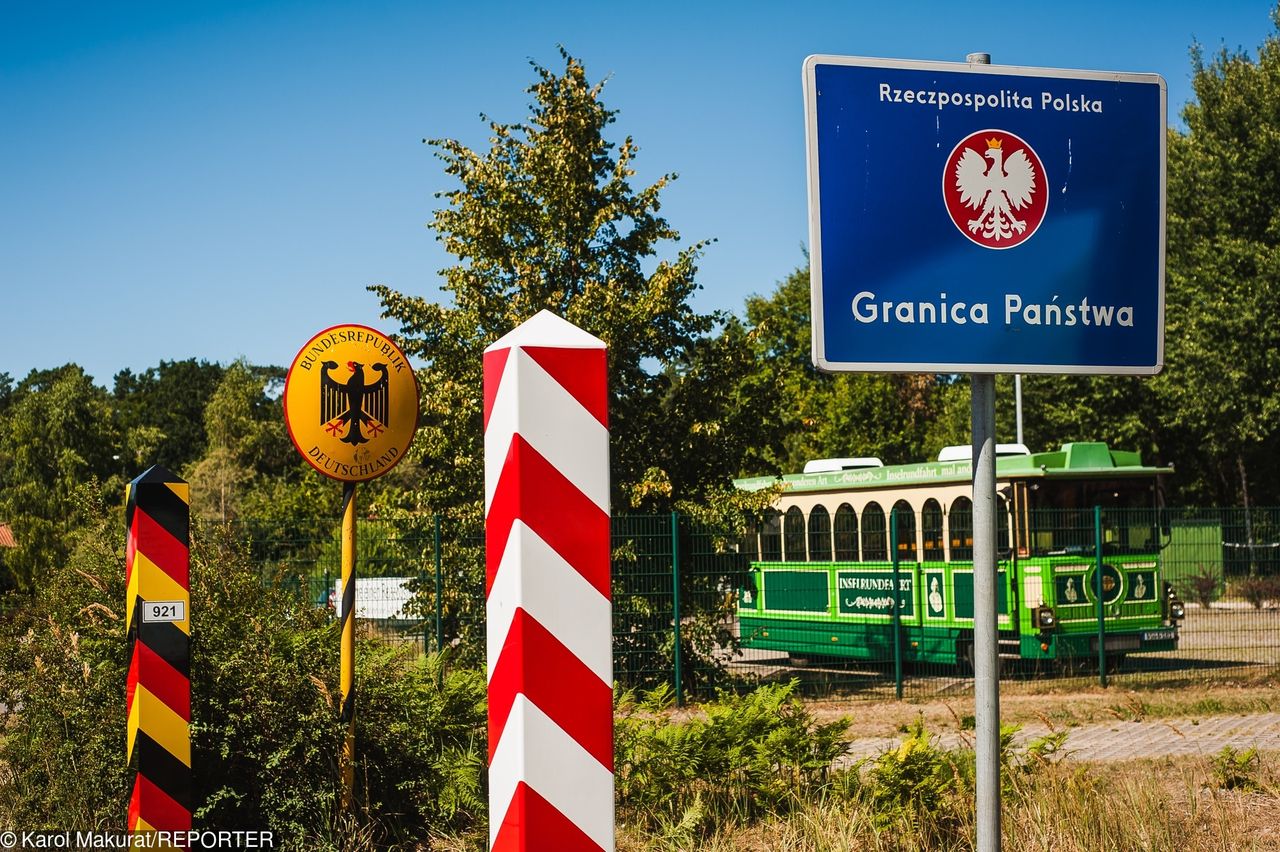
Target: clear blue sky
[224,179]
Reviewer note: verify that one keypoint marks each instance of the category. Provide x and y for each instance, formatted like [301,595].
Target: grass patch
[1058,710]
[1140,805]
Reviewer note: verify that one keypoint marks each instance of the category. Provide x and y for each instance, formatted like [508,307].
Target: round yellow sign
[351,403]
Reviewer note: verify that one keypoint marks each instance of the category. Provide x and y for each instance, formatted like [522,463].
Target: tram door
[1021,520]
[1011,541]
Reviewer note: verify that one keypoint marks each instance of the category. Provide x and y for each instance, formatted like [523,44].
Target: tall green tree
[1220,394]
[1121,410]
[717,397]
[814,415]
[58,437]
[547,218]
[246,442]
[161,411]
[6,391]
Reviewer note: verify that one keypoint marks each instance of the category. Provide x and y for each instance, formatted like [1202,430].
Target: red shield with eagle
[995,189]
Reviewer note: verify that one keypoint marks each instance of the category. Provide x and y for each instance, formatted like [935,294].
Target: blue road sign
[985,218]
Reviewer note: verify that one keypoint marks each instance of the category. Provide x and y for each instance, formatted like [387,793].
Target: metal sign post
[347,645]
[986,649]
[351,407]
[970,218]
[986,660]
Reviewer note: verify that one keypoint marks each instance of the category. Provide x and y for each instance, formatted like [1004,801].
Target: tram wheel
[1086,666]
[965,662]
[964,659]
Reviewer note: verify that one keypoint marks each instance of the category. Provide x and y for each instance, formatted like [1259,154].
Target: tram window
[875,541]
[819,535]
[931,528]
[846,530]
[961,524]
[771,537]
[793,535]
[749,544]
[906,541]
[1062,514]
[1002,525]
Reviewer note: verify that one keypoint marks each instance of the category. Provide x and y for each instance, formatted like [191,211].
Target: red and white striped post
[550,640]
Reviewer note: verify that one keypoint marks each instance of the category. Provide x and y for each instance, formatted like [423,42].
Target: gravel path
[1127,740]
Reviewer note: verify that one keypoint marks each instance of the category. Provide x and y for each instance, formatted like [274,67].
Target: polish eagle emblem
[354,405]
[1004,185]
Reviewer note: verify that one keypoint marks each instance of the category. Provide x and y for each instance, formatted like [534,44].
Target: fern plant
[1236,770]
[740,758]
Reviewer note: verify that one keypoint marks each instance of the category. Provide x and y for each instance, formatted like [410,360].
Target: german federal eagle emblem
[353,405]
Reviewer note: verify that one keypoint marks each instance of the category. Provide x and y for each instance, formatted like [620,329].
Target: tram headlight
[1177,610]
[1046,619]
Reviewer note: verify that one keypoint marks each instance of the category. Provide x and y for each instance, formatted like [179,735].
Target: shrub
[763,757]
[421,741]
[1257,590]
[62,677]
[918,781]
[265,730]
[1236,770]
[1204,586]
[742,757]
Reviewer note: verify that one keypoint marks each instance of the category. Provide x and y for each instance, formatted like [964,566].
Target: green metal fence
[700,611]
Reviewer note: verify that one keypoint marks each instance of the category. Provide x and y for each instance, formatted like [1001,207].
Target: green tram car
[823,582]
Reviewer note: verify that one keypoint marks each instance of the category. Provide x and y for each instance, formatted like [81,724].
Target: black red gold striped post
[158,613]
[347,673]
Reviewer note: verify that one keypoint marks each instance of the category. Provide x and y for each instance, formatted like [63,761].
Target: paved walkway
[1126,740]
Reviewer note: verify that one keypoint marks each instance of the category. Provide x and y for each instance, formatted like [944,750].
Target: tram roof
[1075,460]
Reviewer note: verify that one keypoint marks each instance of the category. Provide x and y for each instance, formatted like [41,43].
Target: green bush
[740,758]
[752,758]
[918,783]
[265,728]
[1204,586]
[421,740]
[1257,590]
[62,676]
[1236,770]
[264,732]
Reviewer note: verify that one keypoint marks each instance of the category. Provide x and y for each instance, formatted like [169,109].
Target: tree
[57,435]
[904,418]
[812,414]
[162,411]
[1121,410]
[717,395]
[547,218]
[6,392]
[246,440]
[1219,392]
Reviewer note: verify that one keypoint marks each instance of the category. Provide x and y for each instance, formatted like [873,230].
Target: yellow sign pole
[347,675]
[351,407]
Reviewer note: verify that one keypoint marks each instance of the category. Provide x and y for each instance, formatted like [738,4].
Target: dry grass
[1062,710]
[1148,805]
